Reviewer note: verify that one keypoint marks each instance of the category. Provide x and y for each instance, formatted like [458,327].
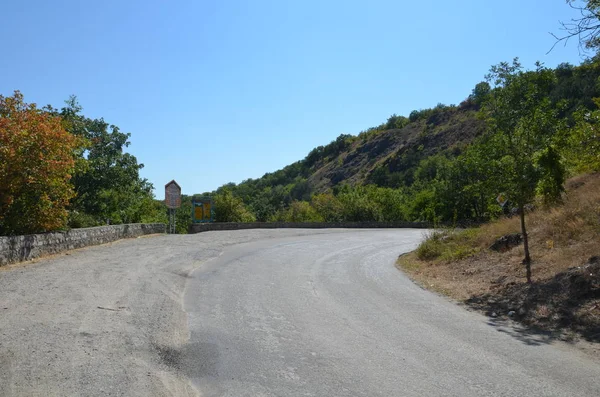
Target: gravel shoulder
[105,320]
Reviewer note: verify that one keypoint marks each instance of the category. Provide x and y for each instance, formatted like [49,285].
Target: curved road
[329,315]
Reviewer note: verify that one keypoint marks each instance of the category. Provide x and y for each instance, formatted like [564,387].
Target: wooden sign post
[172,201]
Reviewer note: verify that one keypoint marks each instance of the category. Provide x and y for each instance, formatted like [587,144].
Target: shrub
[432,247]
[36,163]
[449,245]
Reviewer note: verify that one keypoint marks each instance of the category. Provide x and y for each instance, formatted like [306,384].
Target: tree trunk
[527,259]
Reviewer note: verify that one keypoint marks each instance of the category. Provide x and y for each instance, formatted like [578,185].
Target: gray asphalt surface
[105,320]
[269,313]
[329,315]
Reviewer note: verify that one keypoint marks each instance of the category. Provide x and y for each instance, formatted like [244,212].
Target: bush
[328,207]
[231,209]
[79,219]
[301,211]
[432,247]
[36,163]
[448,245]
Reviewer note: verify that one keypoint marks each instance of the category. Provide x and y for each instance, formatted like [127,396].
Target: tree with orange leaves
[37,159]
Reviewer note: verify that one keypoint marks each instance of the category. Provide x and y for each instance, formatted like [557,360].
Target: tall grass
[556,233]
[448,245]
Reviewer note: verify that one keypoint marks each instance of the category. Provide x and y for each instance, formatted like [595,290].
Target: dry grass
[459,263]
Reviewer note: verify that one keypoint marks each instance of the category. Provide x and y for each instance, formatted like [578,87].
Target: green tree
[390,203]
[424,205]
[107,183]
[474,177]
[229,208]
[357,206]
[183,214]
[299,211]
[265,203]
[582,147]
[480,93]
[395,121]
[523,126]
[328,207]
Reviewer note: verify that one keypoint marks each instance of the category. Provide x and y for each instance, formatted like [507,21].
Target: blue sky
[221,91]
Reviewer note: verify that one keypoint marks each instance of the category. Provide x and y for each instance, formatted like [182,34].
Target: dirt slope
[565,244]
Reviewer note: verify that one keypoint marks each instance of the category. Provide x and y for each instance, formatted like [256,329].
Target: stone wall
[205,227]
[21,248]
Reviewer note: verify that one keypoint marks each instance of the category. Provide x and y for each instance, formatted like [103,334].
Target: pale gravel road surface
[329,315]
[106,320]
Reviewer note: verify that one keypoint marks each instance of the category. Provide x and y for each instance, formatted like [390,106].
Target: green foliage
[85,177]
[80,219]
[525,126]
[432,247]
[299,211]
[328,207]
[329,151]
[448,245]
[396,121]
[576,87]
[582,149]
[424,205]
[541,124]
[183,215]
[267,202]
[415,115]
[391,203]
[229,208]
[108,187]
[552,175]
[480,93]
[428,114]
[153,211]
[358,204]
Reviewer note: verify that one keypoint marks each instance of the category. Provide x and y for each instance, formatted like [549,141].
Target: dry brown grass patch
[459,263]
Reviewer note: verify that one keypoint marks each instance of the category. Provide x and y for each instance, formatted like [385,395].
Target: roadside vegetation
[539,261]
[564,243]
[60,169]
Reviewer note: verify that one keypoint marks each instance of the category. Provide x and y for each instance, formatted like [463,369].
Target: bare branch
[586,28]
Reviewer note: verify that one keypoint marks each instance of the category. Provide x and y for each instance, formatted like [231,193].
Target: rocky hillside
[385,155]
[388,157]
[424,166]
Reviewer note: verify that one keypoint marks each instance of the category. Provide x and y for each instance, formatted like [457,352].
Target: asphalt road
[267,313]
[105,320]
[329,315]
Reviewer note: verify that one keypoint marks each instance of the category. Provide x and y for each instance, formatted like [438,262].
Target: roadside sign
[173,195]
[502,199]
[172,201]
[198,212]
[202,210]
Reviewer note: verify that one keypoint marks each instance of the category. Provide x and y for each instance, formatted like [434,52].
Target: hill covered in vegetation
[444,164]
